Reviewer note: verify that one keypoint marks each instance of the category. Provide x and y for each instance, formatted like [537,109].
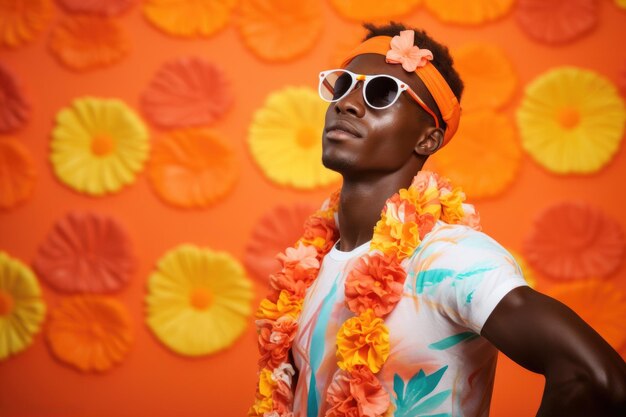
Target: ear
[430,141]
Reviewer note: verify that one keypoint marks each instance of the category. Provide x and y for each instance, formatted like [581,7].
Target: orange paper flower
[396,237]
[87,253]
[554,21]
[101,7]
[375,282]
[277,229]
[469,12]
[187,92]
[321,233]
[573,241]
[188,18]
[279,30]
[22,20]
[17,173]
[15,109]
[357,393]
[404,51]
[487,74]
[369,10]
[275,338]
[192,168]
[91,333]
[600,303]
[86,42]
[363,340]
[486,174]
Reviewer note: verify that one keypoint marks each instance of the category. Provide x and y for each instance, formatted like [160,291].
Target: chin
[336,163]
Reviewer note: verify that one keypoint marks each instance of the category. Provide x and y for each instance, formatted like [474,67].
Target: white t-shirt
[438,365]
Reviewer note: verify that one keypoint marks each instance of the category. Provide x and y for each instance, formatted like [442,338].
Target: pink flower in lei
[373,288]
[404,51]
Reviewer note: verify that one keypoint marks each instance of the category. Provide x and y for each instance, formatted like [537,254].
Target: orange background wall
[153,381]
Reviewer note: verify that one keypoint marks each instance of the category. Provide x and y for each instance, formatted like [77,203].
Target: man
[400,314]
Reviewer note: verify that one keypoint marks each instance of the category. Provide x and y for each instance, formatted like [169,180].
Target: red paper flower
[187,92]
[375,282]
[556,21]
[86,253]
[15,110]
[275,339]
[277,229]
[357,393]
[573,241]
[17,173]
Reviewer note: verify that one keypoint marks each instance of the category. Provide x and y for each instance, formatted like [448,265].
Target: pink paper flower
[403,51]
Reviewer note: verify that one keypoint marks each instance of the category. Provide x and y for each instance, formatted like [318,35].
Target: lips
[342,128]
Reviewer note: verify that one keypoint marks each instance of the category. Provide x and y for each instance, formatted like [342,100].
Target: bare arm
[584,375]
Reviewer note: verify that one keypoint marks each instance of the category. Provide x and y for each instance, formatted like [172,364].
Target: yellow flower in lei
[285,305]
[452,206]
[363,340]
[263,403]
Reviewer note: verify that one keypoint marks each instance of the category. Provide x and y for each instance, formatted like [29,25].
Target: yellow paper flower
[22,20]
[21,308]
[487,173]
[469,12]
[284,305]
[188,17]
[286,139]
[621,4]
[529,273]
[198,301]
[263,402]
[363,340]
[487,74]
[394,237]
[98,145]
[571,120]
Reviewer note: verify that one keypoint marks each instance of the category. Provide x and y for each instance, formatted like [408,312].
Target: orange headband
[447,102]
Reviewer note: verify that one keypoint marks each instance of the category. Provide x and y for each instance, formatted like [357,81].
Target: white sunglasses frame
[402,86]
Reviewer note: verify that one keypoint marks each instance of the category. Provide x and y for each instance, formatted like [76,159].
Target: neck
[361,203]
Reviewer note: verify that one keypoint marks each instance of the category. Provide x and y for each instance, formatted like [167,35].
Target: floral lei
[373,288]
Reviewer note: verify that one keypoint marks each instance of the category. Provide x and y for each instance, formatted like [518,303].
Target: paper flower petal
[555,21]
[571,120]
[98,145]
[15,109]
[289,128]
[100,7]
[468,12]
[622,5]
[279,30]
[600,303]
[367,10]
[23,20]
[91,332]
[192,168]
[187,92]
[487,74]
[86,42]
[198,300]
[17,173]
[276,230]
[86,253]
[485,174]
[22,309]
[188,18]
[572,241]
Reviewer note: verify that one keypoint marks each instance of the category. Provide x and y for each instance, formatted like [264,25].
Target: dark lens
[381,91]
[341,85]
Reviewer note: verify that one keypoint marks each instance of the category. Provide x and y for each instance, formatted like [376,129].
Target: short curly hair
[442,59]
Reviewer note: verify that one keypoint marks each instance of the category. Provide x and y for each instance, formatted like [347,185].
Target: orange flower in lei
[373,288]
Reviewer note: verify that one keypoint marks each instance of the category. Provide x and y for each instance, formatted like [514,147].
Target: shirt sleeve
[465,273]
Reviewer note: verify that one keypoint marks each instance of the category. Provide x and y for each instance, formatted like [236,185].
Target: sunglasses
[380,91]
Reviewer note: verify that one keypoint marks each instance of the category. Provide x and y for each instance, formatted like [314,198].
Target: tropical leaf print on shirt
[414,400]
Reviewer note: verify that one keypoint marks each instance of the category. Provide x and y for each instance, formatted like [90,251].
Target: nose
[352,103]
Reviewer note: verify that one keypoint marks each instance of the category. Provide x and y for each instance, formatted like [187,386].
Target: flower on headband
[404,51]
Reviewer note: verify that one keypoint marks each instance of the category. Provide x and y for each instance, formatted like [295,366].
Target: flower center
[201,298]
[97,331]
[568,117]
[307,137]
[6,303]
[101,144]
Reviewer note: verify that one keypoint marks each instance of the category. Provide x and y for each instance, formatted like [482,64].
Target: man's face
[360,139]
